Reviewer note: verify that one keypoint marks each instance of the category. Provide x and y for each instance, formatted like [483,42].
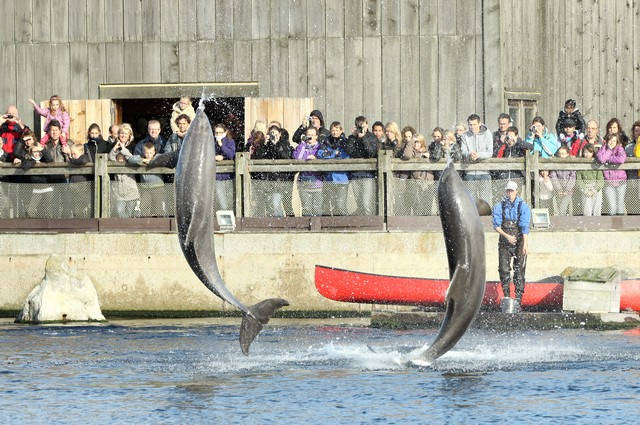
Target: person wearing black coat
[512,147]
[315,119]
[273,195]
[570,111]
[363,144]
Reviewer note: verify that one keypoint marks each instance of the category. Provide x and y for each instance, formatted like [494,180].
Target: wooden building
[417,62]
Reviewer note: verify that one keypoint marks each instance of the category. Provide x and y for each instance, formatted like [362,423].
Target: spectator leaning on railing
[477,144]
[126,197]
[590,183]
[612,153]
[153,136]
[564,181]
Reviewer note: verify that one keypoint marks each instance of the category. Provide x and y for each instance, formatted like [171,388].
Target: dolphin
[195,181]
[464,240]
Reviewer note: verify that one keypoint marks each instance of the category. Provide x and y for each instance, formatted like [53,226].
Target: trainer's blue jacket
[518,210]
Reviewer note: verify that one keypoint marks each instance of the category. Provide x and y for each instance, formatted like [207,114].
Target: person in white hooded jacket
[477,144]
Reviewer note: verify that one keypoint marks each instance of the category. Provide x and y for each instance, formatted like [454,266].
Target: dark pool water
[193,372]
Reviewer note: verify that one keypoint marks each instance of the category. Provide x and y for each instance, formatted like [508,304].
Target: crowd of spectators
[469,141]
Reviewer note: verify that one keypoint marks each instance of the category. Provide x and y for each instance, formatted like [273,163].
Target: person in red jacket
[574,140]
[11,129]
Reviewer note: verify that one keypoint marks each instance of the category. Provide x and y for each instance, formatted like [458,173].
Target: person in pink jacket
[56,111]
[612,153]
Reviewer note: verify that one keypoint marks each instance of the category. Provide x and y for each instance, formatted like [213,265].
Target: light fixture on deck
[226,220]
[540,217]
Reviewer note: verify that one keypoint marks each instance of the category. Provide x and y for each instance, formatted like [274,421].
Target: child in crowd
[590,183]
[572,138]
[311,182]
[570,111]
[126,197]
[336,183]
[461,128]
[546,190]
[95,142]
[564,182]
[612,153]
[152,184]
[182,106]
[55,112]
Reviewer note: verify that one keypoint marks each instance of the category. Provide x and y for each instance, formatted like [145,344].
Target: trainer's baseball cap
[511,185]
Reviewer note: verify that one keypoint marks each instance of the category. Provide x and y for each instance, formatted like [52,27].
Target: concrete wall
[148,272]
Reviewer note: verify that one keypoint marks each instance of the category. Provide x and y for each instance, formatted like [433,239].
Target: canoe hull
[368,288]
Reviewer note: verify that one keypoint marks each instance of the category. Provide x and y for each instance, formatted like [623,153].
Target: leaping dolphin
[195,187]
[464,240]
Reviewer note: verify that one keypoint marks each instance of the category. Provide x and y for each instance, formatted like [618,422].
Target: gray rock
[63,294]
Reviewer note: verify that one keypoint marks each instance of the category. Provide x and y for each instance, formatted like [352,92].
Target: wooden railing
[384,166]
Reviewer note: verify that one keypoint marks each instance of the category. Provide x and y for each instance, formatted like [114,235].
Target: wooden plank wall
[417,62]
[588,50]
[289,112]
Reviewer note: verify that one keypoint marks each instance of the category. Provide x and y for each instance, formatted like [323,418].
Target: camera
[533,129]
[304,138]
[8,116]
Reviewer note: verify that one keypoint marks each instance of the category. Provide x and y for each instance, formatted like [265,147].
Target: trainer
[511,218]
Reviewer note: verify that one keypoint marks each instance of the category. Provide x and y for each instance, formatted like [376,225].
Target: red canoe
[356,287]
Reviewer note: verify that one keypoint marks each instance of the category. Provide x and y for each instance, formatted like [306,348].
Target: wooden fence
[385,165]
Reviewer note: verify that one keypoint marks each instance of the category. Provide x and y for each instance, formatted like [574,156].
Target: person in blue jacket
[511,219]
[541,140]
[336,183]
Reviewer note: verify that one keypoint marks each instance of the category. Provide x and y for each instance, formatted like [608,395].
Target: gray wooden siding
[588,50]
[417,62]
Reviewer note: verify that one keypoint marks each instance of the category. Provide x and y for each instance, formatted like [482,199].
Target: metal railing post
[101,187]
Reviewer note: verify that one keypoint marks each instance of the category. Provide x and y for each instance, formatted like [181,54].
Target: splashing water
[193,371]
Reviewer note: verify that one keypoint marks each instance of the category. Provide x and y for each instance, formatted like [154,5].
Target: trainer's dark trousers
[507,253]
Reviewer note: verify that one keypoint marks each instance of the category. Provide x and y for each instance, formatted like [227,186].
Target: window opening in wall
[522,112]
[138,112]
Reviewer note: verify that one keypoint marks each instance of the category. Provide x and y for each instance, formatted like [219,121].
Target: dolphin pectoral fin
[251,326]
[484,209]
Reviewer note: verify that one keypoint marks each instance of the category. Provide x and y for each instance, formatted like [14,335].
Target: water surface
[180,371]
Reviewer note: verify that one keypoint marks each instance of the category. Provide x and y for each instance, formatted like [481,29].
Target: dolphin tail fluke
[251,326]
